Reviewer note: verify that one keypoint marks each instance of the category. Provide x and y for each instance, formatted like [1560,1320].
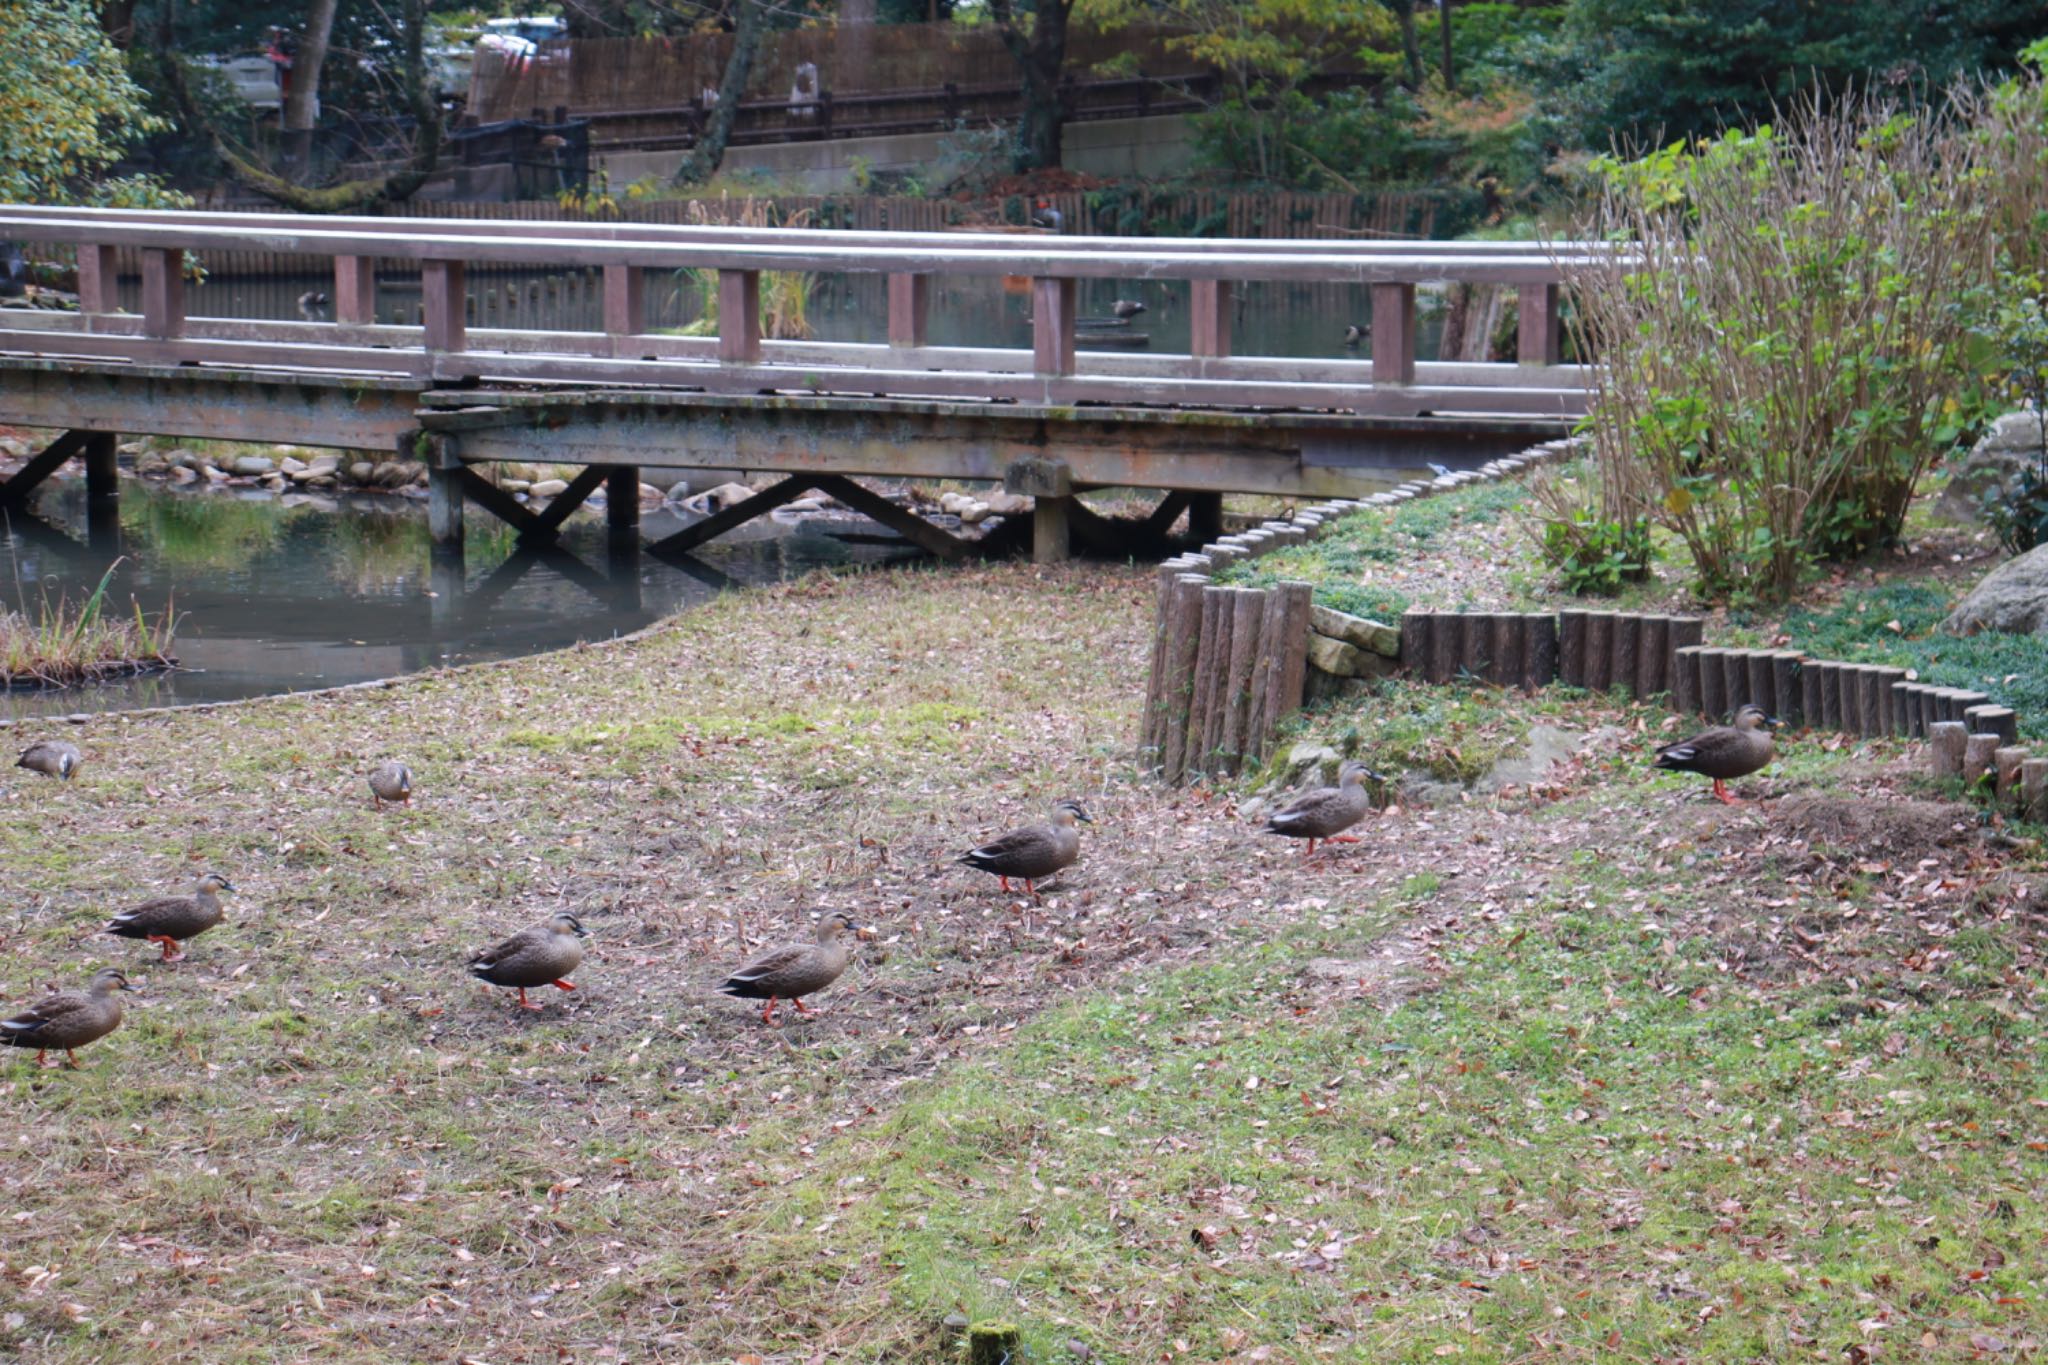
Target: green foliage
[1898,626]
[68,107]
[1594,555]
[2017,332]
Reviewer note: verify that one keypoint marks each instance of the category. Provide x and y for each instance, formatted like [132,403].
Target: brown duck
[1725,752]
[1327,812]
[541,956]
[173,919]
[54,757]
[1035,851]
[68,1019]
[795,970]
[391,781]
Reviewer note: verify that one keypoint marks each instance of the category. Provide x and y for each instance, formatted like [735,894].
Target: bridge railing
[900,363]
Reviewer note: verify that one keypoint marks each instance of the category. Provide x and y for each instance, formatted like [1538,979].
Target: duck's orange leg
[524,1003]
[1005,881]
[172,953]
[801,1007]
[565,985]
[72,1057]
[1721,791]
[768,1015]
[1032,891]
[43,1058]
[1311,848]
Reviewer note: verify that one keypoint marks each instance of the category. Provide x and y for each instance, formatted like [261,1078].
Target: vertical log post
[1763,680]
[1734,678]
[1415,628]
[443,296]
[625,306]
[1539,333]
[1685,679]
[910,307]
[1052,325]
[622,505]
[1508,634]
[1978,751]
[1627,667]
[1446,646]
[1713,684]
[1259,719]
[1393,334]
[1475,653]
[1183,638]
[1945,743]
[1653,656]
[444,490]
[1291,670]
[1571,648]
[2034,789]
[1201,704]
[1209,318]
[1151,724]
[1996,720]
[1599,650]
[163,292]
[1906,709]
[1785,688]
[739,317]
[2005,764]
[355,290]
[1539,651]
[1883,702]
[1930,708]
[1247,609]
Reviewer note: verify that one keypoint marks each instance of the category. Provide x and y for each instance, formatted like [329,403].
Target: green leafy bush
[1594,555]
[2017,332]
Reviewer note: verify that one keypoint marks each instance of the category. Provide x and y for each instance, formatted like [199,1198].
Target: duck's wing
[773,963]
[164,915]
[516,951]
[1304,810]
[23,1029]
[1007,848]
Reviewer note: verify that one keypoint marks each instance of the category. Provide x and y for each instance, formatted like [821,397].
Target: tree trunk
[117,21]
[703,161]
[1411,46]
[302,97]
[1443,11]
[1041,57]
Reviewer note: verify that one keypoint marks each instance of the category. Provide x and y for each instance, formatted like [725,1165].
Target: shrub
[1595,555]
[1790,348]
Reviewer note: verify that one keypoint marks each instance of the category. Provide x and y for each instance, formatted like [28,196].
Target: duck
[1044,215]
[1127,308]
[1326,812]
[1354,335]
[391,781]
[57,758]
[173,919]
[796,970]
[313,305]
[1725,752]
[69,1019]
[541,956]
[1033,852]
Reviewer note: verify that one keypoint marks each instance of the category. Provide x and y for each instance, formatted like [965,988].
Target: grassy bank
[59,644]
[1589,1070]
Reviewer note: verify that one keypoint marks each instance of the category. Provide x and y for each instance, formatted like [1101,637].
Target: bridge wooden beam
[901,520]
[547,523]
[1393,334]
[163,292]
[1539,331]
[740,513]
[910,299]
[625,305]
[98,280]
[1209,318]
[739,317]
[444,295]
[355,290]
[14,492]
[1052,325]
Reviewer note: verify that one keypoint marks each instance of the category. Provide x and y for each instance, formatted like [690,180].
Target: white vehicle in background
[520,39]
[251,75]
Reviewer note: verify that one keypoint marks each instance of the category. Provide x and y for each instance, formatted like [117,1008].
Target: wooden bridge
[1050,421]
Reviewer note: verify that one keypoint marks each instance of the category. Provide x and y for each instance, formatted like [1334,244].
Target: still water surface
[277,595]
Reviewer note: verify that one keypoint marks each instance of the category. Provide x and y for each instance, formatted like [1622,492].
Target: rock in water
[1992,468]
[2012,599]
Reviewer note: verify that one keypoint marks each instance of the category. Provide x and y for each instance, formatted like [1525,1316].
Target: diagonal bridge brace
[905,523]
[15,491]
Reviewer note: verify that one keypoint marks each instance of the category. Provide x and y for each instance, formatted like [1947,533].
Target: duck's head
[1751,716]
[110,979]
[1067,812]
[1355,770]
[212,884]
[833,923]
[562,922]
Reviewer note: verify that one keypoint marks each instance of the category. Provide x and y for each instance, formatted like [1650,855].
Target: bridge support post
[622,506]
[97,280]
[1050,485]
[1539,334]
[1205,517]
[1393,334]
[1209,318]
[102,466]
[448,577]
[444,492]
[909,309]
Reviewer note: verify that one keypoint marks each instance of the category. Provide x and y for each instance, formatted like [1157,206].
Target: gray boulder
[2013,443]
[2012,599]
[251,465]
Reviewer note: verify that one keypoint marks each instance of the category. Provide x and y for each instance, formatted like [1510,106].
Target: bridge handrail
[1054,266]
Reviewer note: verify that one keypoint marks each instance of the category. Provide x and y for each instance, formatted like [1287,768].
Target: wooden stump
[994,1343]
[1830,694]
[1785,688]
[1201,703]
[2034,789]
[1539,651]
[1247,610]
[1151,724]
[1849,679]
[1446,645]
[1687,630]
[2005,764]
[1978,753]
[1415,631]
[1735,679]
[1945,743]
[1809,694]
[1475,657]
[1713,684]
[1890,710]
[1876,690]
[1628,635]
[1183,641]
[1653,656]
[1763,681]
[1507,648]
[1259,720]
[1599,651]
[1291,665]
[1930,708]
[1685,679]
[1997,720]
[1571,648]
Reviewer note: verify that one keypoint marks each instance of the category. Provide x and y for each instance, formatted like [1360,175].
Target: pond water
[1292,320]
[277,595]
